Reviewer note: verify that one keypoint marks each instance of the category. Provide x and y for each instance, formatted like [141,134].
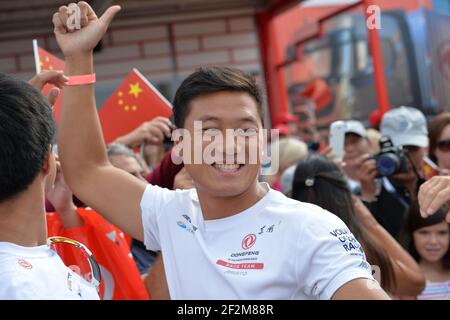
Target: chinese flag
[46,61]
[135,101]
[429,169]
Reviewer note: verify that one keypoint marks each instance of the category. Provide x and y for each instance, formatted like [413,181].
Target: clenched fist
[73,41]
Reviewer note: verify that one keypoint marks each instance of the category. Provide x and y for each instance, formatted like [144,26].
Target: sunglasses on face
[444,145]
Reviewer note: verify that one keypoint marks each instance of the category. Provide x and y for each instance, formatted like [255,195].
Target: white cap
[356,127]
[405,126]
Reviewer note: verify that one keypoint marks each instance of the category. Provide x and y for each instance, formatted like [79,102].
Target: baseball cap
[406,126]
[356,127]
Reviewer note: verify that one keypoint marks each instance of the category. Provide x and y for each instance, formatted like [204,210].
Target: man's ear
[47,165]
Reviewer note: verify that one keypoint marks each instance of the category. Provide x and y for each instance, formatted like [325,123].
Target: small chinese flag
[135,101]
[44,60]
[429,169]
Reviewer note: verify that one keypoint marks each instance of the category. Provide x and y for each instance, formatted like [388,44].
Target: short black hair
[27,129]
[209,80]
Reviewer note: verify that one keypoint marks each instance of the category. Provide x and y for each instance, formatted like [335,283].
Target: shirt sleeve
[153,201]
[331,256]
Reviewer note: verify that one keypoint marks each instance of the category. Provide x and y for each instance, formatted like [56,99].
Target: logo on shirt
[347,240]
[253,266]
[248,241]
[267,229]
[186,224]
[113,237]
[24,264]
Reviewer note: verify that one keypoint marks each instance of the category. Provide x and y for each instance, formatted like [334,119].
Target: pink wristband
[82,79]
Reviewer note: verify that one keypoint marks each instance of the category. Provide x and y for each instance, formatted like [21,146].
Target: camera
[390,160]
[167,143]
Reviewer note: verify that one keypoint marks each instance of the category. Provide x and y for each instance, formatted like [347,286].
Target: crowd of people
[318,228]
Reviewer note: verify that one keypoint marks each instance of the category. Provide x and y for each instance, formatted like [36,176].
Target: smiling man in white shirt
[230,237]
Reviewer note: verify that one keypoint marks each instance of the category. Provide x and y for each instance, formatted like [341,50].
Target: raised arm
[110,191]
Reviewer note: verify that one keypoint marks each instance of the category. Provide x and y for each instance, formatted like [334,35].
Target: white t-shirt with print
[277,249]
[32,273]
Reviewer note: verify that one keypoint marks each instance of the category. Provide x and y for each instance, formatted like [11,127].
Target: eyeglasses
[444,145]
[95,269]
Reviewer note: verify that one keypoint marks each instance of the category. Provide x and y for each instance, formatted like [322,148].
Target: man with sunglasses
[407,128]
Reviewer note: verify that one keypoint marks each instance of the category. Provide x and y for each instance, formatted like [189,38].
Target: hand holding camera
[390,160]
[156,131]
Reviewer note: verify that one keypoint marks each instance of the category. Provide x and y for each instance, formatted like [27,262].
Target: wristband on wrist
[81,79]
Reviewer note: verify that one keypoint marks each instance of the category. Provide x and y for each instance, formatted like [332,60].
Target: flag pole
[36,56]
[148,83]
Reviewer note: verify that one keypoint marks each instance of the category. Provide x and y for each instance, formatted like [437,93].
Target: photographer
[357,149]
[396,167]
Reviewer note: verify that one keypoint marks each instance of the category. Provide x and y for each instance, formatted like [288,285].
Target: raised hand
[433,194]
[55,77]
[150,132]
[60,196]
[73,42]
[328,153]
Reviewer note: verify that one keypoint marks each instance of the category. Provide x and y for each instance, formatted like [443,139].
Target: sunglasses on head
[444,145]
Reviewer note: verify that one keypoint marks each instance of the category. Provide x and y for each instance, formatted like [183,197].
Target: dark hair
[26,133]
[435,128]
[319,180]
[414,221]
[208,80]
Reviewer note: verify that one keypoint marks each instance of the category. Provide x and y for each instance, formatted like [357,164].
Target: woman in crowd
[439,134]
[320,181]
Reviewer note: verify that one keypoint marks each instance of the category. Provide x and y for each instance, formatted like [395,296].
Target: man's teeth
[227,167]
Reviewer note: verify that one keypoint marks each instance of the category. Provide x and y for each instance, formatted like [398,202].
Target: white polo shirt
[279,248]
[38,273]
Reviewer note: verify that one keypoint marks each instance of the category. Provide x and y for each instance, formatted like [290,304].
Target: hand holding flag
[50,77]
[47,67]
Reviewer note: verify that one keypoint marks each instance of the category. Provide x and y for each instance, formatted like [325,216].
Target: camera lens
[388,164]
